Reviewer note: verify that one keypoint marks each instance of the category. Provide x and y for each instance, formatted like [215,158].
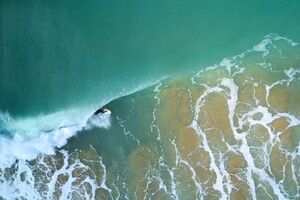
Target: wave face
[26,138]
[229,131]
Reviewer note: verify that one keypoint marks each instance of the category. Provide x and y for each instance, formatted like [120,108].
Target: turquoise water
[52,51]
[204,100]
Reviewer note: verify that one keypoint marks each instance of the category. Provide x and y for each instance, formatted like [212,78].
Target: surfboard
[107,112]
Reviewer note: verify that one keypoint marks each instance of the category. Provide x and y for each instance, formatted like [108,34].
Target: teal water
[56,54]
[204,100]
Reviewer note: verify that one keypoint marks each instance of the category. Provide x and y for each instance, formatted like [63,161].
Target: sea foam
[26,138]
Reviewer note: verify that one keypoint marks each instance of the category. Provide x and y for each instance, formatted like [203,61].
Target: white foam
[32,136]
[244,148]
[23,182]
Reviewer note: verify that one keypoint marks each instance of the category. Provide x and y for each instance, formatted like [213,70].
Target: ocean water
[204,98]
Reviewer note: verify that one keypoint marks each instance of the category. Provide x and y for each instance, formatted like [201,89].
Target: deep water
[55,55]
[204,98]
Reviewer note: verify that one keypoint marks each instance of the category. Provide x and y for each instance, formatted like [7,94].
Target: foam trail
[227,86]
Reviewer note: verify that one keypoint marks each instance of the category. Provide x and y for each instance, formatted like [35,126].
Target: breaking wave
[230,131]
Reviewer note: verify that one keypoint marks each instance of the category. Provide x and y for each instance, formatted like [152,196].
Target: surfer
[102,111]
